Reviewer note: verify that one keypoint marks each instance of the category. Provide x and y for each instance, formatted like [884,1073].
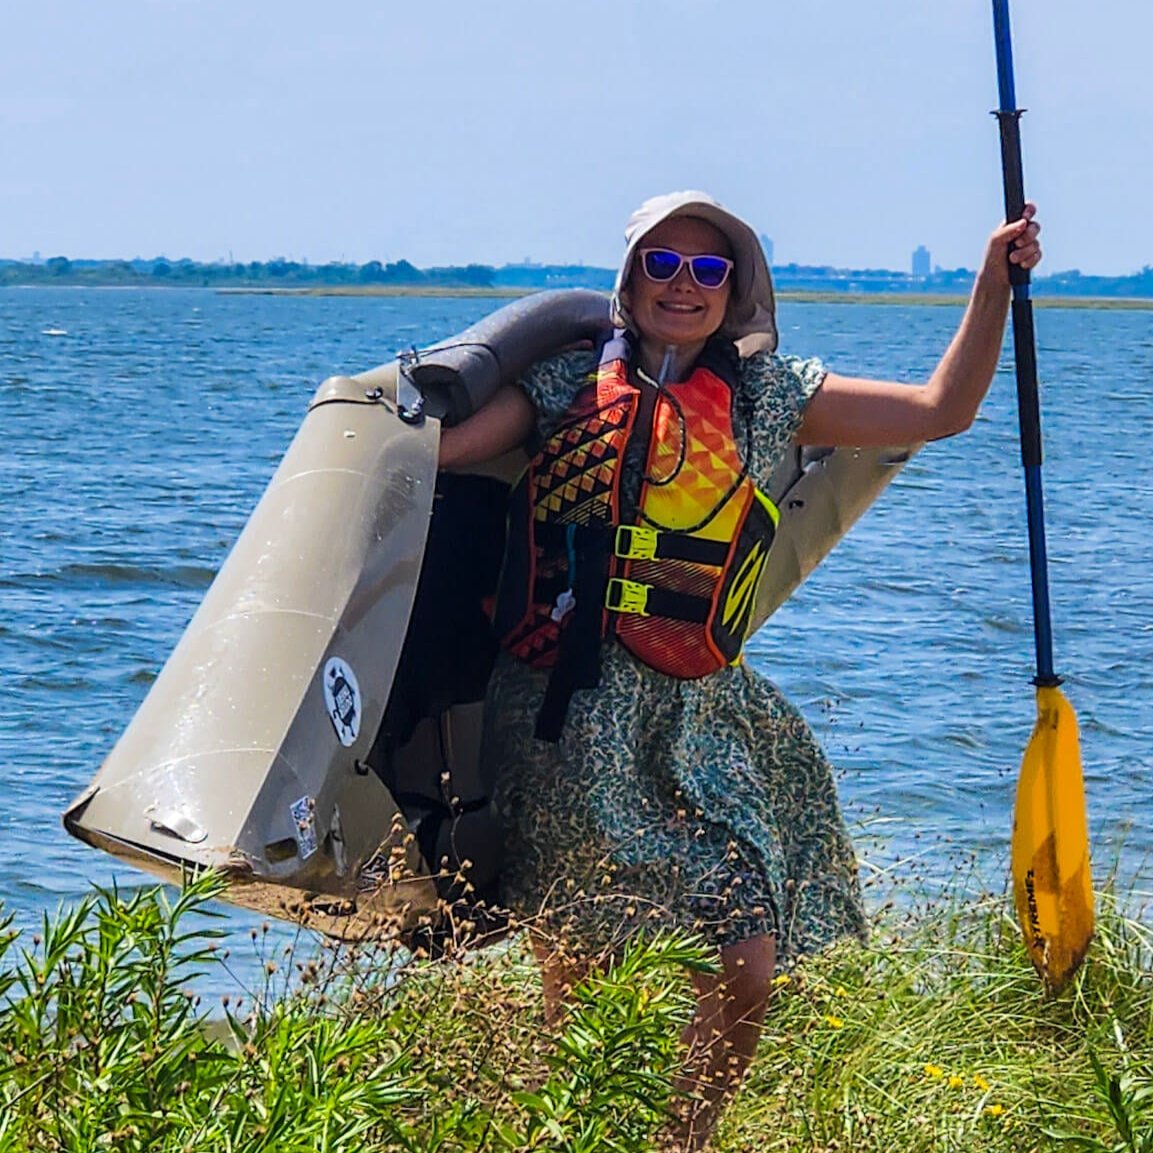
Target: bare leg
[722,1038]
[559,972]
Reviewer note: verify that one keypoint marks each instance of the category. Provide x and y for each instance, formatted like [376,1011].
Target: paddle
[1052,886]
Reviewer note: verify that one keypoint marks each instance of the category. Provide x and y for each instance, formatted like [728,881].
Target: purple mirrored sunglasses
[663,264]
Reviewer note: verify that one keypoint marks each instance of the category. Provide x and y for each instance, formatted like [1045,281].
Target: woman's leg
[722,1038]
[560,971]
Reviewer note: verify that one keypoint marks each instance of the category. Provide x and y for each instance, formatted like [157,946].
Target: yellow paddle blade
[1052,885]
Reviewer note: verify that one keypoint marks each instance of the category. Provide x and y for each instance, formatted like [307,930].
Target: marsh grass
[936,1036]
[103,1045]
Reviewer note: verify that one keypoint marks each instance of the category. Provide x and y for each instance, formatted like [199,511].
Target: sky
[490,131]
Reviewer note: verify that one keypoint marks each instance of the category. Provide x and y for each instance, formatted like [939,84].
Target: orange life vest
[670,571]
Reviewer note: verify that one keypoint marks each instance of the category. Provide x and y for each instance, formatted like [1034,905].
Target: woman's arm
[851,411]
[501,424]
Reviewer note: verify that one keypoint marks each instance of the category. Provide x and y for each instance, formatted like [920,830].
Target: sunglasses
[663,264]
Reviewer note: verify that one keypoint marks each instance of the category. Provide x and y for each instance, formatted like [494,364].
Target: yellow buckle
[625,596]
[635,542]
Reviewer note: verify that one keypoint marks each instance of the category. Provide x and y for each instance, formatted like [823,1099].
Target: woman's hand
[847,410]
[1015,242]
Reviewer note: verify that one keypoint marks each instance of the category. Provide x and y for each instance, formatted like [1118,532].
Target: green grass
[934,1037]
[937,1037]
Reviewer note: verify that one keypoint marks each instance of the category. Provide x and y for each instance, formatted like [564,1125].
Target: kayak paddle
[1052,886]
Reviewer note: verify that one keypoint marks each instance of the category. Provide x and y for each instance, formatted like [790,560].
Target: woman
[647,776]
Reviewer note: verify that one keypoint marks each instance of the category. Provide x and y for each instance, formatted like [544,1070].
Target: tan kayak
[315,731]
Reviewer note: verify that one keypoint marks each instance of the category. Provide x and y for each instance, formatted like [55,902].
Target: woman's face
[679,311]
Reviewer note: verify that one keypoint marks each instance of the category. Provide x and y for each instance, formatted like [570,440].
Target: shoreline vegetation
[794,283]
[907,299]
[934,1036]
[900,299]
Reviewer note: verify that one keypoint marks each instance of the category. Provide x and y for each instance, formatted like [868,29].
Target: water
[140,427]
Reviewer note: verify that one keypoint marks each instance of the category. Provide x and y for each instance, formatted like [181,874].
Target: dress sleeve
[552,383]
[776,390]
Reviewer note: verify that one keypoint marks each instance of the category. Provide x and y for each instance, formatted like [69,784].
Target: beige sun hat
[751,315]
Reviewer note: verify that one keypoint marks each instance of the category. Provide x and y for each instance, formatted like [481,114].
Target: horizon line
[525,265]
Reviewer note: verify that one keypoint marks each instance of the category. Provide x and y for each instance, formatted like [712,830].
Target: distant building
[922,261]
[767,245]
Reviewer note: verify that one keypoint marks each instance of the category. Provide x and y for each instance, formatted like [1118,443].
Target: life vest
[671,570]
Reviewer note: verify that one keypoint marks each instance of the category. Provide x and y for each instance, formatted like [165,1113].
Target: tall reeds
[936,1036]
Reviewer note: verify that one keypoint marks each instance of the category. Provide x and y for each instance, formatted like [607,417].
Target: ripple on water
[139,444]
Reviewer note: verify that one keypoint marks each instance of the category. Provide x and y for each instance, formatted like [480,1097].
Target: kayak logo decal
[342,699]
[304,826]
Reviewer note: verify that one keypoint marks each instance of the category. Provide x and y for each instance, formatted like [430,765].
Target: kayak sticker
[304,825]
[342,699]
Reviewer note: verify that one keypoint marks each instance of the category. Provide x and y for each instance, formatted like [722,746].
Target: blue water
[140,427]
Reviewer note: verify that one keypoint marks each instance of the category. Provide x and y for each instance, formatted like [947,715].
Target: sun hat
[752,309]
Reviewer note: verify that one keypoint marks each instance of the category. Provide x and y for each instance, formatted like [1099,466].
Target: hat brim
[752,305]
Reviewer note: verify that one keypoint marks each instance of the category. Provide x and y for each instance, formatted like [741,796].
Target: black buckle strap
[639,542]
[632,598]
[643,542]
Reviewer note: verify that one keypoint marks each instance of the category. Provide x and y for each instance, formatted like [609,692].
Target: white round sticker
[342,698]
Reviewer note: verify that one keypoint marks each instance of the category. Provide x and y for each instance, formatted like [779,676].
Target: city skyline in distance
[525,276]
[919,263]
[849,133]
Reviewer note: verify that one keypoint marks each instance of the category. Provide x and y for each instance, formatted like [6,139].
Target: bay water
[138,429]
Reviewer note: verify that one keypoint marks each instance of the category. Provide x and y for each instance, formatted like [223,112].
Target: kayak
[314,735]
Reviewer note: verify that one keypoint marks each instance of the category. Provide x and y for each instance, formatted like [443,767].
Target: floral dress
[701,804]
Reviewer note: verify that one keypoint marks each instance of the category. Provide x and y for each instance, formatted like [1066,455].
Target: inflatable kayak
[314,734]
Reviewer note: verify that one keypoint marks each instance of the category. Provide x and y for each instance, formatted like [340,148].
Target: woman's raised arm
[851,411]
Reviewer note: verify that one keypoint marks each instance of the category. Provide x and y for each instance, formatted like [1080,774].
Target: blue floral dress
[704,804]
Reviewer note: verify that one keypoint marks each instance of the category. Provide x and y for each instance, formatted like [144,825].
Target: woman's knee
[748,969]
[561,971]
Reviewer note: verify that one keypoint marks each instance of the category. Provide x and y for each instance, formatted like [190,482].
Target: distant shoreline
[794,282]
[913,299]
[380,290]
[1123,303]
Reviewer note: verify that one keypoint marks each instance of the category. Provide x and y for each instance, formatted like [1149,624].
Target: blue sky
[446,131]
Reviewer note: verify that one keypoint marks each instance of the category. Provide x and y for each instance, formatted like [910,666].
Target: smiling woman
[645,776]
[676,310]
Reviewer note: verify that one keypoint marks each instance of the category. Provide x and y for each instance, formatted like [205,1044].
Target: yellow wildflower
[994,1110]
[840,991]
[980,1082]
[781,979]
[835,1022]
[956,1082]
[934,1071]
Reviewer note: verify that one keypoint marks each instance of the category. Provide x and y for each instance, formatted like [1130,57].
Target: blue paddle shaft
[1004,37]
[1024,348]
